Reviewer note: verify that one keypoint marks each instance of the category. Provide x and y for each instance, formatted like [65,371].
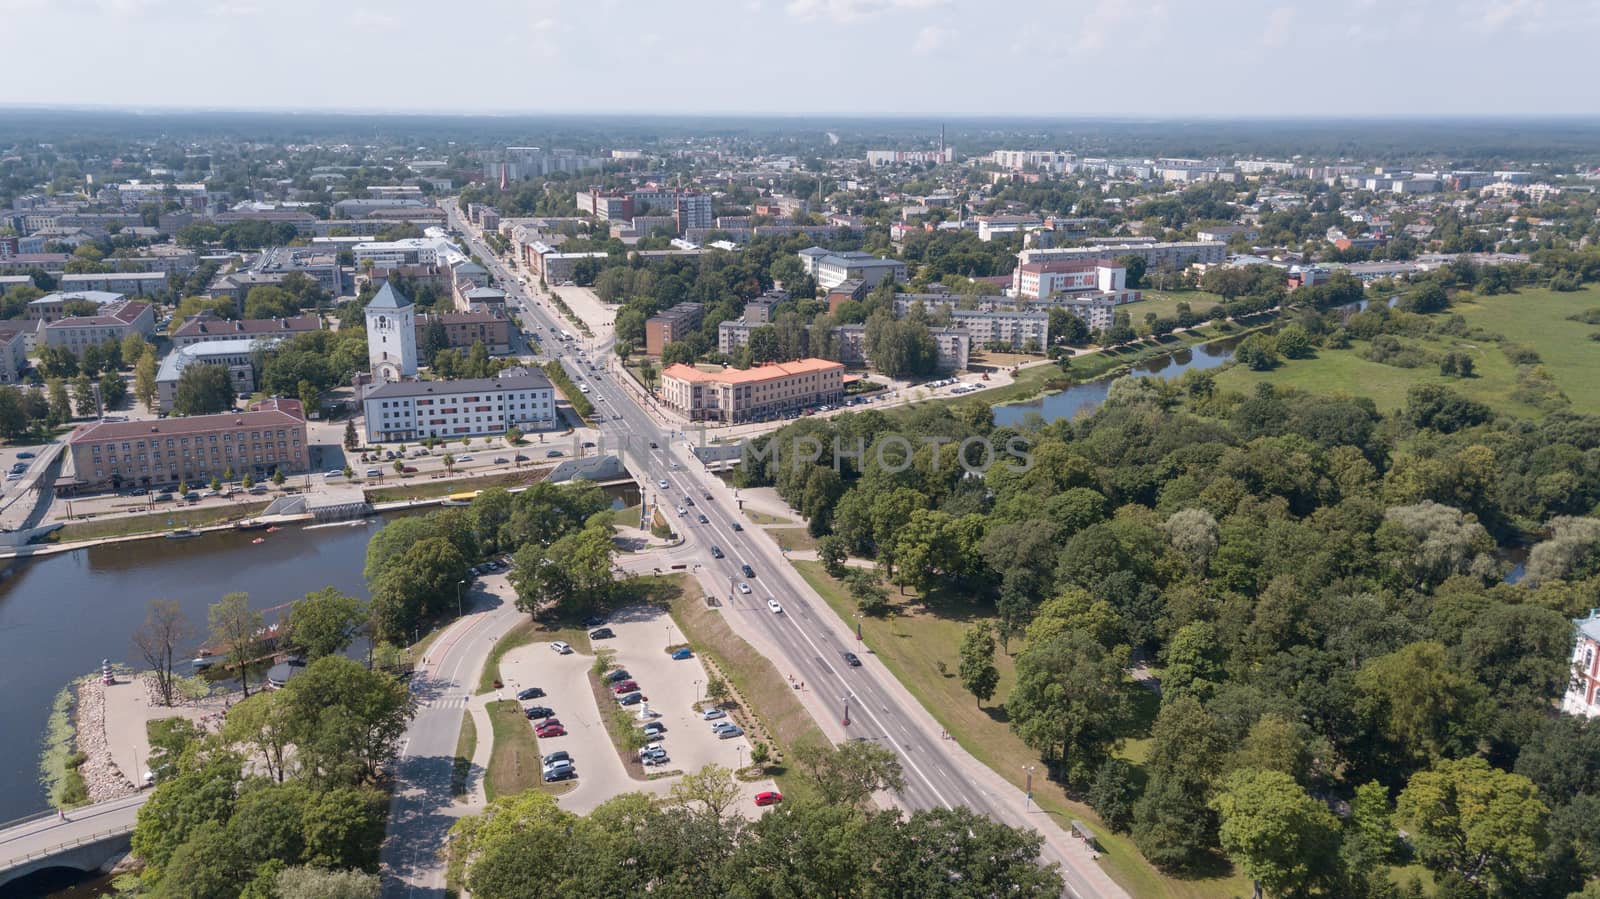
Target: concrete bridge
[89,838]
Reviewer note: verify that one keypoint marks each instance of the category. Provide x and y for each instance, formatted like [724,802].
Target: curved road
[808,633]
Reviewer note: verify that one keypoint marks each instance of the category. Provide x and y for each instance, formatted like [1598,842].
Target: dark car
[704,520]
[617,676]
[594,621]
[631,699]
[531,693]
[748,571]
[654,445]
[688,500]
[500,460]
[561,774]
[25,455]
[539,711]
[552,454]
[588,444]
[716,552]
[853,660]
[519,458]
[737,526]
[601,633]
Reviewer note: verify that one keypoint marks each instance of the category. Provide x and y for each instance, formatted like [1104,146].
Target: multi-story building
[1098,310]
[50,263]
[1018,331]
[877,158]
[521,163]
[270,437]
[1041,160]
[410,251]
[52,307]
[734,335]
[671,326]
[1583,687]
[553,267]
[734,395]
[417,410]
[1042,279]
[236,355]
[1176,254]
[315,263]
[830,269]
[114,322]
[607,207]
[954,345]
[692,210]
[463,329]
[134,284]
[992,226]
[208,326]
[13,351]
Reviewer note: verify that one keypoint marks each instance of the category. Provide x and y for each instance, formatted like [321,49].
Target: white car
[712,714]
[773,605]
[561,647]
[682,511]
[662,483]
[744,588]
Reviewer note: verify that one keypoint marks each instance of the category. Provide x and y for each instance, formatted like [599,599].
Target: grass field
[514,762]
[1164,303]
[155,522]
[417,486]
[915,640]
[1534,317]
[461,765]
[794,539]
[753,676]
[764,518]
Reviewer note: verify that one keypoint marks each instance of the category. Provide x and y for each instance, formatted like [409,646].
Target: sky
[1044,58]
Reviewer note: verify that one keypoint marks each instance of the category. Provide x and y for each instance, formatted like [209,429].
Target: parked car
[729,732]
[531,693]
[561,646]
[560,774]
[594,621]
[544,731]
[334,473]
[554,757]
[654,729]
[682,653]
[654,759]
[768,797]
[712,714]
[374,472]
[773,605]
[621,674]
[627,686]
[535,712]
[29,455]
[631,699]
[853,660]
[601,633]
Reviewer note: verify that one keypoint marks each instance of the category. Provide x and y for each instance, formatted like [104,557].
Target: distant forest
[1451,142]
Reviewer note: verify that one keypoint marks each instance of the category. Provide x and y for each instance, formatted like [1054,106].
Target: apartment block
[134,284]
[236,355]
[13,351]
[1176,254]
[416,410]
[463,329]
[954,345]
[199,328]
[1042,279]
[270,437]
[671,326]
[766,391]
[114,322]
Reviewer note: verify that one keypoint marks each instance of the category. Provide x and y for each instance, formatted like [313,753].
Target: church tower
[391,335]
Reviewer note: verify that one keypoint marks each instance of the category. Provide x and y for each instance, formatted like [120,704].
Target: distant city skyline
[1117,58]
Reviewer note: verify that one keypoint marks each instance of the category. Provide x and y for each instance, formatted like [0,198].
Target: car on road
[708,494]
[501,460]
[464,459]
[654,445]
[521,458]
[601,633]
[688,500]
[737,526]
[561,646]
[531,693]
[553,729]
[408,469]
[744,588]
[588,444]
[704,520]
[716,552]
[621,674]
[29,455]
[682,511]
[553,454]
[554,757]
[712,714]
[535,712]
[853,660]
[748,571]
[773,605]
[595,621]
[682,653]
[662,483]
[627,686]
[729,732]
[631,698]
[334,473]
[654,729]
[768,797]
[560,774]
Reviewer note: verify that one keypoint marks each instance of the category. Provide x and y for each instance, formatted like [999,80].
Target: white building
[391,335]
[237,355]
[411,251]
[831,269]
[1042,279]
[417,410]
[1583,689]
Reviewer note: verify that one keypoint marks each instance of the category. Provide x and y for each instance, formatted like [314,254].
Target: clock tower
[391,336]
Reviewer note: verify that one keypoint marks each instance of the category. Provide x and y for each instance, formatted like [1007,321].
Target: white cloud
[1280,23]
[852,10]
[930,39]
[1121,23]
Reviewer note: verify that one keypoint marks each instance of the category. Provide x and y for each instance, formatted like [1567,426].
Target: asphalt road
[420,813]
[815,636]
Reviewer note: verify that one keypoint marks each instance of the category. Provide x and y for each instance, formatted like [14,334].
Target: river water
[1088,395]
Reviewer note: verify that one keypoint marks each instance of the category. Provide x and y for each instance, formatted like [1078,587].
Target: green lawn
[794,539]
[156,522]
[912,643]
[514,762]
[1164,303]
[461,765]
[1534,317]
[421,487]
[764,518]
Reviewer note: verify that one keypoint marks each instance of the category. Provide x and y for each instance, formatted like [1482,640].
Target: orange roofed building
[766,391]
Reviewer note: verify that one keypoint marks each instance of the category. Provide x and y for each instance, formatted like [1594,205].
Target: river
[1090,394]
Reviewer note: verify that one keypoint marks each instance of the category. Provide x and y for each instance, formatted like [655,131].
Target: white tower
[392,335]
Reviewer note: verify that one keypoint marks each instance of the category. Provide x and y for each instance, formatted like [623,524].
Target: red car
[548,730]
[768,797]
[626,686]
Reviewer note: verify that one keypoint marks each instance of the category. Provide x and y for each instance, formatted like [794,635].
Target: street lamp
[1029,769]
[459,585]
[846,698]
[697,691]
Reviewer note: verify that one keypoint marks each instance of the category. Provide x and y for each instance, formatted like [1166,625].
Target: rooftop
[532,380]
[269,414]
[751,375]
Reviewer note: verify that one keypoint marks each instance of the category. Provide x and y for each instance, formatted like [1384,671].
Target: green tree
[345,721]
[83,392]
[278,477]
[1422,701]
[1193,660]
[203,390]
[351,439]
[1482,824]
[262,723]
[1114,793]
[1279,836]
[1294,343]
[13,413]
[304,882]
[870,597]
[236,629]
[325,622]
[850,773]
[60,405]
[134,347]
[1070,702]
[978,674]
[198,797]
[832,552]
[144,379]
[1173,825]
[717,690]
[573,574]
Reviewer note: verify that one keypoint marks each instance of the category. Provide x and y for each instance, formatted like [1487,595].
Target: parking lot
[642,635]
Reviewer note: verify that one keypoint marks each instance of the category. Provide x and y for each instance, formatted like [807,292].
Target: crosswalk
[453,701]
